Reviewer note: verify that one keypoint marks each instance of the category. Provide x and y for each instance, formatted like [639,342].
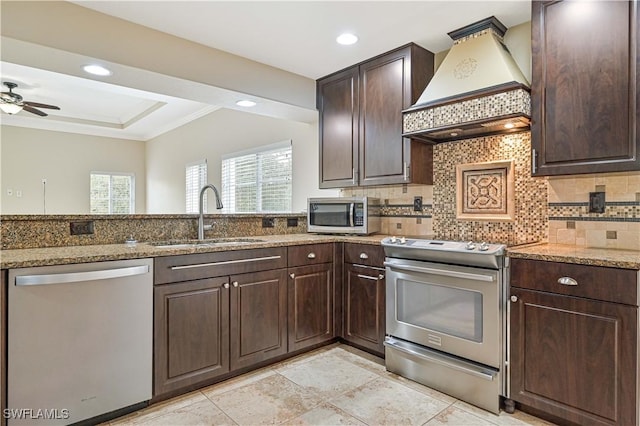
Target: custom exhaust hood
[478,90]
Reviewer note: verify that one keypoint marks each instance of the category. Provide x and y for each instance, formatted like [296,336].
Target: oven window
[322,214]
[447,310]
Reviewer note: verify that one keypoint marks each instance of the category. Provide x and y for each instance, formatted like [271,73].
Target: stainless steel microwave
[343,215]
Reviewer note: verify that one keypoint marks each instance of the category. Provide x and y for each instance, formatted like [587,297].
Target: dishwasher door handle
[73,277]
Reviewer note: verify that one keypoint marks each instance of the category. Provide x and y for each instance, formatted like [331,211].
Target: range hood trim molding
[487,91]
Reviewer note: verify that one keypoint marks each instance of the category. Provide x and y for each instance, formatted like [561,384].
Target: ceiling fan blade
[34,111]
[36,104]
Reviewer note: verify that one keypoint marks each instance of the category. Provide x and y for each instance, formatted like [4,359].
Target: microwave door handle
[352,212]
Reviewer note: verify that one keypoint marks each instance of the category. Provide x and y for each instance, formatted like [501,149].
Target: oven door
[454,309]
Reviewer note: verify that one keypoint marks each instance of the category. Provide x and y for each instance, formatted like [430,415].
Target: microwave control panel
[358,219]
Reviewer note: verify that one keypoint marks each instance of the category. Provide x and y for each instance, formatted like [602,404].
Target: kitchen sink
[177,244]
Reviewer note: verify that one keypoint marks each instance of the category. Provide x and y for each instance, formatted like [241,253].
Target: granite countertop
[627,259]
[22,258]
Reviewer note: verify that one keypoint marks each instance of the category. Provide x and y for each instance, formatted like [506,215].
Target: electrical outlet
[596,202]
[292,222]
[81,228]
[417,204]
[9,192]
[268,222]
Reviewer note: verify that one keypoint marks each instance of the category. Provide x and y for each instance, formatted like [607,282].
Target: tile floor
[334,385]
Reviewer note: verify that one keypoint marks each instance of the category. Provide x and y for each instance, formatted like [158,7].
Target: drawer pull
[293,276]
[364,256]
[311,255]
[567,281]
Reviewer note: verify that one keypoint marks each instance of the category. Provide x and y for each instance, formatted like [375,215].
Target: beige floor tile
[199,413]
[518,418]
[455,416]
[421,388]
[325,414]
[361,359]
[385,402]
[274,399]
[237,382]
[145,415]
[328,375]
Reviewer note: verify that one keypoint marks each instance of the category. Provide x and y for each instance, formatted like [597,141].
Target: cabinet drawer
[364,254]
[310,254]
[593,282]
[170,269]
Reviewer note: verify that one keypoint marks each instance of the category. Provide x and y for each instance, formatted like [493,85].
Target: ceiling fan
[12,103]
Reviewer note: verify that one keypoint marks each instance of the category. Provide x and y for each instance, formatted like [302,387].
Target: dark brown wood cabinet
[585,89]
[572,356]
[258,317]
[215,313]
[360,109]
[191,333]
[364,297]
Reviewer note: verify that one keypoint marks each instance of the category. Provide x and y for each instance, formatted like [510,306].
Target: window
[258,180]
[112,193]
[195,178]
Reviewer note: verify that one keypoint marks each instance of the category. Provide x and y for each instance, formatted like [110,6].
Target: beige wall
[221,132]
[65,160]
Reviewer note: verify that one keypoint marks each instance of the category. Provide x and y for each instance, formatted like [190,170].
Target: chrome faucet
[201,206]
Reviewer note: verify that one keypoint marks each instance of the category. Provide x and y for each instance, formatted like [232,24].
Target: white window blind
[196,178]
[112,193]
[258,180]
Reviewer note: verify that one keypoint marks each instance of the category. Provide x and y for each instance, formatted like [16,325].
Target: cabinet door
[364,307]
[385,90]
[337,98]
[310,305]
[258,315]
[191,333]
[574,358]
[585,89]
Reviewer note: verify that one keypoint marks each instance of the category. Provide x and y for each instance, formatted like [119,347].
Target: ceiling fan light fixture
[97,70]
[10,108]
[347,39]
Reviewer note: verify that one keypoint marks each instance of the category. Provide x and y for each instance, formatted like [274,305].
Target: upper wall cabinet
[360,108]
[585,87]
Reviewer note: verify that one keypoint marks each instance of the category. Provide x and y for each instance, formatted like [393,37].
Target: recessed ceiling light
[347,39]
[246,103]
[96,70]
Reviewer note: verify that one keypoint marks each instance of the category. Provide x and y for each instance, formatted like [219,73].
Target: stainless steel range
[446,317]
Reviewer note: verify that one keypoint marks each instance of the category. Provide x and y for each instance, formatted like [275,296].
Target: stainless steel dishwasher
[79,340]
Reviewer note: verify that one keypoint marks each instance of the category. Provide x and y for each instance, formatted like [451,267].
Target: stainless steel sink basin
[178,244]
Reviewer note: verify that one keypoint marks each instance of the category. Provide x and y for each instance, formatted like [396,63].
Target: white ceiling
[296,36]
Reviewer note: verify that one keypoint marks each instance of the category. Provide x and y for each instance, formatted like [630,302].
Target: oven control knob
[483,246]
[403,240]
[470,246]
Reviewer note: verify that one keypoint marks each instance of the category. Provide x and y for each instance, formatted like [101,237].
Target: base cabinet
[364,297]
[258,317]
[191,333]
[574,357]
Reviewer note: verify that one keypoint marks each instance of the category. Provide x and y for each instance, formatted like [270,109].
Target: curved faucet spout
[201,208]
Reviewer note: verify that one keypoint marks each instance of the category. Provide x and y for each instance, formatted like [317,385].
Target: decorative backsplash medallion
[485,191]
[529,222]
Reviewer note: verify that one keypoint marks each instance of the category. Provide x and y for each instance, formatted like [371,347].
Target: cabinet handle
[514,299]
[225,285]
[235,283]
[534,161]
[354,177]
[567,281]
[364,256]
[406,171]
[292,275]
[367,277]
[311,255]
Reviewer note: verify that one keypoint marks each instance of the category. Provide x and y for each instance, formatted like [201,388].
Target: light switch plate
[596,202]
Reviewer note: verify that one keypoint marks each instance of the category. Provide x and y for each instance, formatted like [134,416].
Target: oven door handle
[443,272]
[468,369]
